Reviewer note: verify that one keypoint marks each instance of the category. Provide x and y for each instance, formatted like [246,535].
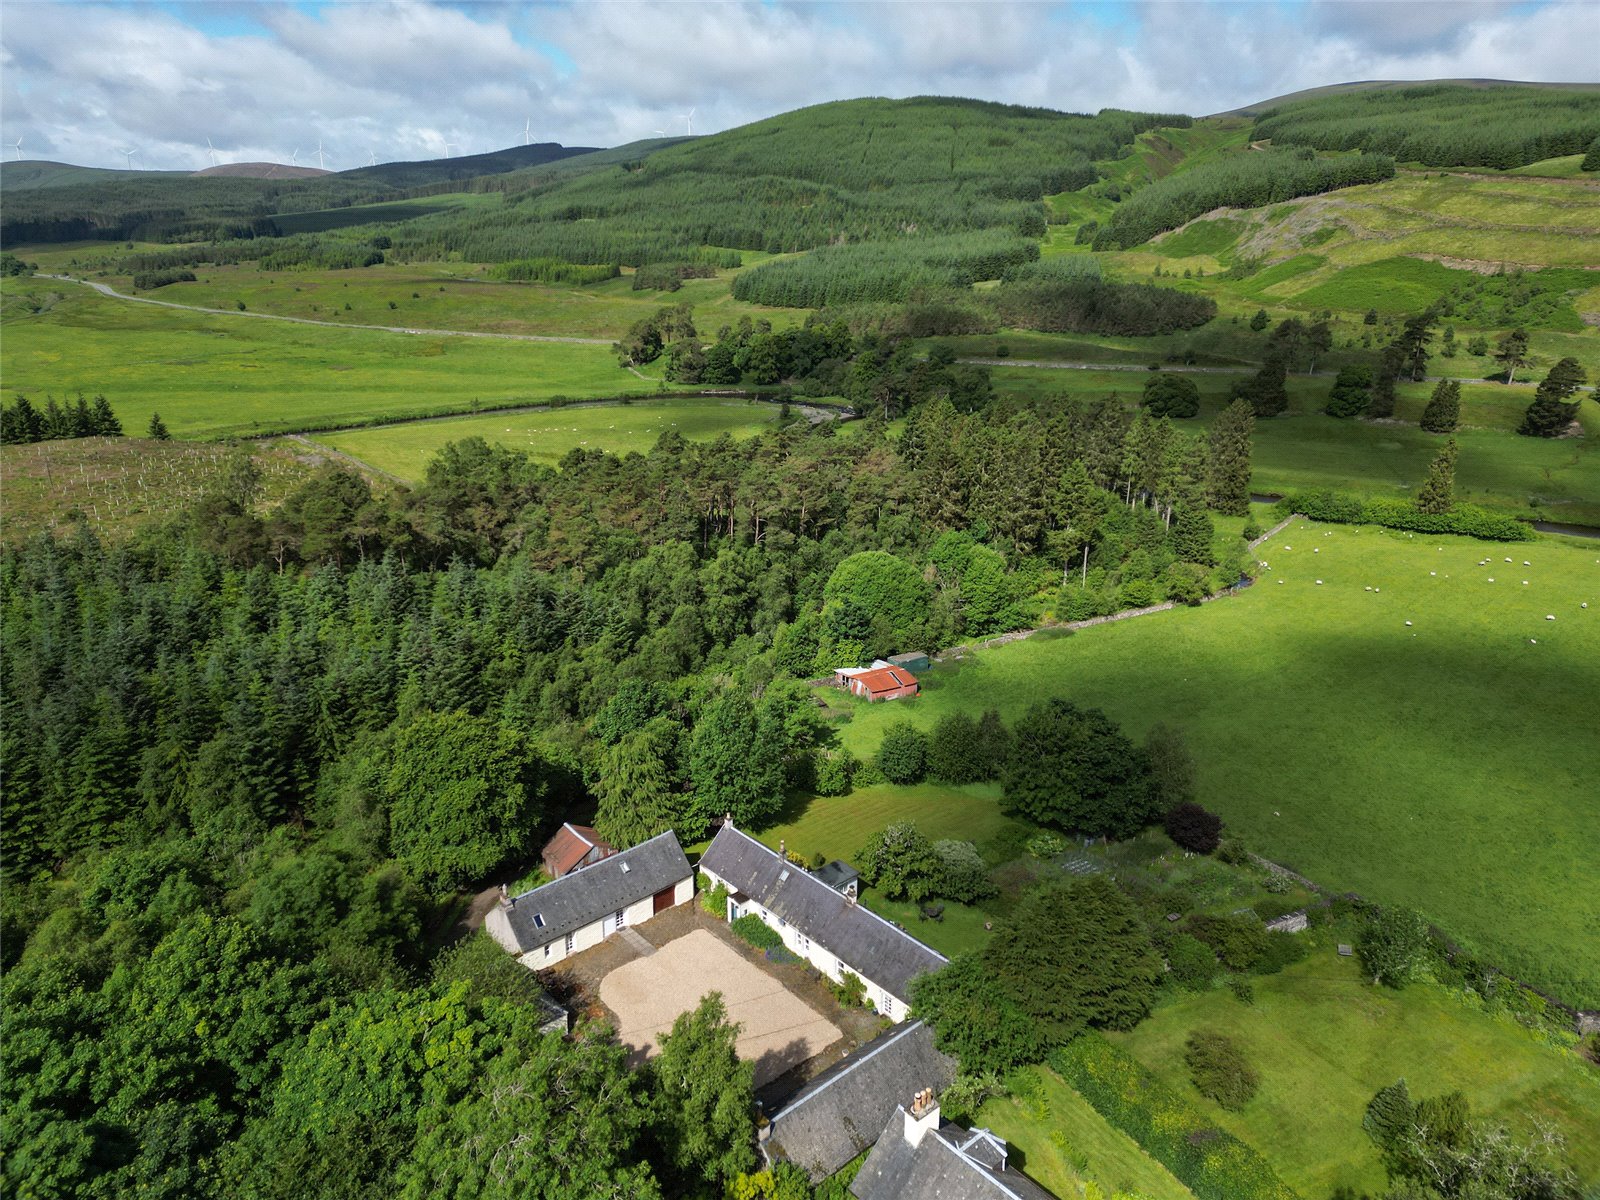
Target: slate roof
[861,939]
[836,875]
[573,901]
[842,1111]
[950,1163]
[569,846]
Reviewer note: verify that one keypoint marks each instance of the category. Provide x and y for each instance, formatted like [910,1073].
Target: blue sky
[81,82]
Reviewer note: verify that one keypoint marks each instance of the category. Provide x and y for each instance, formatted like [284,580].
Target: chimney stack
[782,852]
[922,1116]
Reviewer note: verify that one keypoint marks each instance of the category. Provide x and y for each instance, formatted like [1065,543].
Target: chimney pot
[923,1116]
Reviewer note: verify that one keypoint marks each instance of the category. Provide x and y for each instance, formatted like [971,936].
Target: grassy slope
[1042,1131]
[547,434]
[219,375]
[1446,766]
[1324,1041]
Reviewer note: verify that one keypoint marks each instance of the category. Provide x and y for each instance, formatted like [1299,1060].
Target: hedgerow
[1465,519]
[1211,1163]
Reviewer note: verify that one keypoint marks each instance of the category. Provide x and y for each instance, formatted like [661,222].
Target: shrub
[1232,851]
[850,990]
[1194,828]
[1219,1069]
[1401,514]
[714,900]
[756,931]
[902,864]
[1238,941]
[963,875]
[903,754]
[1048,844]
[953,750]
[1192,963]
[1213,1164]
[834,772]
[1281,950]
[1243,990]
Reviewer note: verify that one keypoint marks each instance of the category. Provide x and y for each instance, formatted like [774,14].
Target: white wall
[886,1002]
[589,935]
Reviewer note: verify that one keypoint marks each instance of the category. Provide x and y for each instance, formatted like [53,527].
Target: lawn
[215,376]
[1449,766]
[1324,1040]
[1054,1131]
[548,434]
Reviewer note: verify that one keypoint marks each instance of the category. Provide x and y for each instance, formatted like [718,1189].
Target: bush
[903,754]
[756,931]
[834,772]
[964,877]
[1243,990]
[1211,1163]
[1281,950]
[714,900]
[144,281]
[1192,963]
[1194,828]
[1401,514]
[953,750]
[1219,1069]
[1238,941]
[850,990]
[1048,844]
[1232,851]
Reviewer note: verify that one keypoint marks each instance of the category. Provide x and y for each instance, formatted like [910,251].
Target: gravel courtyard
[780,1030]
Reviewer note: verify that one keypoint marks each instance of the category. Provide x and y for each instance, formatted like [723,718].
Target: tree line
[21,422]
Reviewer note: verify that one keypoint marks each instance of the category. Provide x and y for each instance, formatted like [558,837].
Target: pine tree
[1389,1114]
[1351,393]
[105,421]
[1413,342]
[1078,510]
[20,423]
[1437,493]
[1259,321]
[1551,412]
[1443,413]
[1192,533]
[1512,352]
[1228,460]
[1267,390]
[1381,405]
[158,429]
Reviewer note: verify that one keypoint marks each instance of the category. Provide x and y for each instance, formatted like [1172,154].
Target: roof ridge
[858,906]
[610,858]
[984,1171]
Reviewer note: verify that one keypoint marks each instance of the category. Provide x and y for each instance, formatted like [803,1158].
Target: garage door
[661,900]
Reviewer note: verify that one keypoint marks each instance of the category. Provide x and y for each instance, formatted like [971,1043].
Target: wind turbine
[661,133]
[294,159]
[688,119]
[372,161]
[17,146]
[211,150]
[129,154]
[449,146]
[527,132]
[321,163]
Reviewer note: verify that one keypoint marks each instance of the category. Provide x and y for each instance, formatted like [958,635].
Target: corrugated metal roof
[571,842]
[887,679]
[861,939]
[573,901]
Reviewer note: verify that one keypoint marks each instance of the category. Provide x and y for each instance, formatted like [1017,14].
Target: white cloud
[83,82]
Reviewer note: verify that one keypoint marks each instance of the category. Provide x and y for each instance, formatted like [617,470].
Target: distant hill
[466,166]
[1375,85]
[31,174]
[263,170]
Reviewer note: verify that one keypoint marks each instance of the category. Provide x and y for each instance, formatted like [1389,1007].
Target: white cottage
[545,925]
[820,923]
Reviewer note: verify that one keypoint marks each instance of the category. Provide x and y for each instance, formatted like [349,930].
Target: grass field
[122,483]
[1324,1040]
[212,376]
[1448,766]
[1054,1126]
[547,434]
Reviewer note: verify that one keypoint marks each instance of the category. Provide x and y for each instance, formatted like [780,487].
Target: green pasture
[216,375]
[547,434]
[1324,1040]
[1448,765]
[455,296]
[1047,1129]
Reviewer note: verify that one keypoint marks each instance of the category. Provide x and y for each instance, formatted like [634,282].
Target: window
[805,943]
[569,943]
[888,1005]
[626,868]
[621,918]
[547,949]
[538,920]
[783,875]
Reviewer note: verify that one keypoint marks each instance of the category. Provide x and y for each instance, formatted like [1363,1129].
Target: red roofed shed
[572,847]
[883,683]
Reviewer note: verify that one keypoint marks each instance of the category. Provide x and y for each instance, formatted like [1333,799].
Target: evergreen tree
[1260,321]
[1371,317]
[1437,493]
[1192,534]
[1551,412]
[1352,392]
[635,792]
[1075,769]
[1512,353]
[105,421]
[1380,407]
[1228,460]
[1266,391]
[1413,342]
[704,1096]
[1170,395]
[1078,510]
[158,429]
[1443,413]
[736,762]
[20,423]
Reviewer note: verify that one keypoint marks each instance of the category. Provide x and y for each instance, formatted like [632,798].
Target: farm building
[581,909]
[841,1112]
[878,682]
[819,923]
[572,847]
[912,660]
[916,1156]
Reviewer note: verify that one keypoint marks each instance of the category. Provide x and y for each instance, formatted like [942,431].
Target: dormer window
[626,868]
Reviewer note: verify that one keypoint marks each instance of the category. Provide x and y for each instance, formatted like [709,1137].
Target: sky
[88,82]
